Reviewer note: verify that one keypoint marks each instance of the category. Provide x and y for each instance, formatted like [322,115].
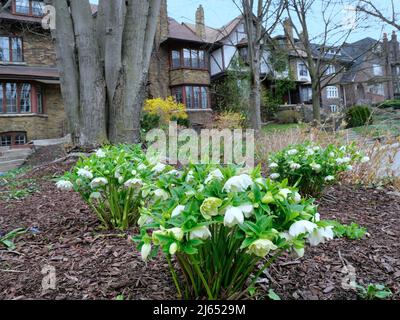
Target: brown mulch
[95,264]
[45,155]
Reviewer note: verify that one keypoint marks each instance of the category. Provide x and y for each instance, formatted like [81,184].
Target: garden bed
[95,264]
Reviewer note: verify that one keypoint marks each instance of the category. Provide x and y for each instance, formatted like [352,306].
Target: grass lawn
[385,123]
[279,128]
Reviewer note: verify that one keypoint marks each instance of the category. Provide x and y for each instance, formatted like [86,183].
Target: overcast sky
[219,12]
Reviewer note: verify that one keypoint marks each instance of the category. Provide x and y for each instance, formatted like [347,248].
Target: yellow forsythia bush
[166,109]
[230,120]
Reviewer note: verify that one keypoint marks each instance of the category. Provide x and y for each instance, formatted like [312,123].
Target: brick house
[31,105]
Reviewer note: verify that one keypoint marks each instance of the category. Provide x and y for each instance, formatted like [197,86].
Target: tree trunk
[104,66]
[316,103]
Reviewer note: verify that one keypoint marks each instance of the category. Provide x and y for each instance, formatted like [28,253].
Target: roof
[13,71]
[182,32]
[215,35]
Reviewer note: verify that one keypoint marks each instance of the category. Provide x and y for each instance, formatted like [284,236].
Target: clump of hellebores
[114,181]
[312,167]
[223,225]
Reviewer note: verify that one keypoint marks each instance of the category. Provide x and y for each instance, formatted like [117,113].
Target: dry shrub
[380,170]
[230,120]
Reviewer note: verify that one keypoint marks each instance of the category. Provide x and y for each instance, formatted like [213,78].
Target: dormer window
[28,7]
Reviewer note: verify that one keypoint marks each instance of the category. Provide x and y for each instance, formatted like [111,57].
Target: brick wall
[50,125]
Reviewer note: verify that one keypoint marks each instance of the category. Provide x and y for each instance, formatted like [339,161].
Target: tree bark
[103,66]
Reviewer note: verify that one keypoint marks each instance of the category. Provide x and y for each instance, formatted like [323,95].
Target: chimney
[163,24]
[288,26]
[200,25]
[395,47]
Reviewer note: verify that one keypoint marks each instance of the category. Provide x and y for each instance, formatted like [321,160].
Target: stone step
[9,165]
[13,156]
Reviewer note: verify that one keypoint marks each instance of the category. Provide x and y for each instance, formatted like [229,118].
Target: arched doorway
[360,92]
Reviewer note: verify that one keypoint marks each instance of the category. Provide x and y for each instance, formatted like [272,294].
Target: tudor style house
[30,100]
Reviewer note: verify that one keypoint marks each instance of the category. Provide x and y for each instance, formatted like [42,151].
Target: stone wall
[200,118]
[186,76]
[51,124]
[38,48]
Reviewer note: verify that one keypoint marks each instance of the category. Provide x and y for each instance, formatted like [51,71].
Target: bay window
[188,58]
[22,98]
[11,49]
[29,7]
[193,97]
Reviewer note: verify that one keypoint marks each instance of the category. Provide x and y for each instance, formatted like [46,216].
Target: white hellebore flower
[202,233]
[95,195]
[297,197]
[145,252]
[285,192]
[316,167]
[177,233]
[295,166]
[177,211]
[159,167]
[365,159]
[100,153]
[302,226]
[173,248]
[247,210]
[299,252]
[233,216]
[273,165]
[261,247]
[189,177]
[331,154]
[317,217]
[329,178]
[309,152]
[98,182]
[161,194]
[320,235]
[349,168]
[133,183]
[274,176]
[142,167]
[292,152]
[214,175]
[85,173]
[238,183]
[64,185]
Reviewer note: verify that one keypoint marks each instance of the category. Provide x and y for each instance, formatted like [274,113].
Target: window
[20,98]
[331,69]
[188,58]
[8,139]
[20,139]
[305,94]
[303,70]
[194,97]
[25,98]
[11,49]
[244,53]
[176,59]
[377,70]
[11,97]
[29,7]
[377,89]
[39,99]
[334,108]
[332,92]
[5,140]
